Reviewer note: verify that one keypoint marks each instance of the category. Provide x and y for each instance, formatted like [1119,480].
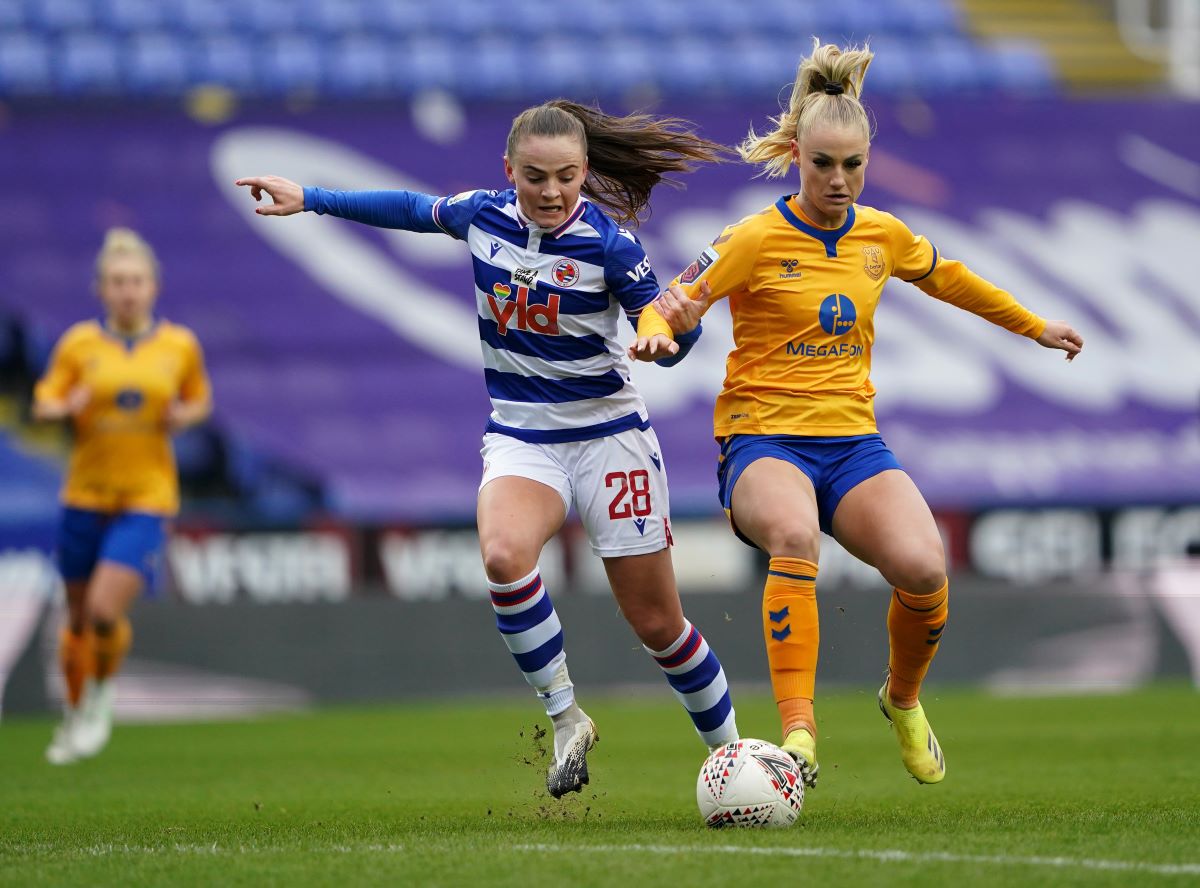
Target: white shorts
[618,485]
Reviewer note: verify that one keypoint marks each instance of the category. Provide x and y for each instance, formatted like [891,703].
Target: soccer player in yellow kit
[800,451]
[125,383]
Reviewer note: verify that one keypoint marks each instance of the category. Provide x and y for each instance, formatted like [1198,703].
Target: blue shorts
[834,465]
[133,539]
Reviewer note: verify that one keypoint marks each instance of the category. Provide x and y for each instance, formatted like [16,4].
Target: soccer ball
[749,783]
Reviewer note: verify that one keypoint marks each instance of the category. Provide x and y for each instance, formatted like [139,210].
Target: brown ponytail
[627,156]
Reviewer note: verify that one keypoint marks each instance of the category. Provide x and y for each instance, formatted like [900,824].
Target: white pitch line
[890,856]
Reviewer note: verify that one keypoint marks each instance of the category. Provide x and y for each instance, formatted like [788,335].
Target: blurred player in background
[125,383]
[552,272]
[800,450]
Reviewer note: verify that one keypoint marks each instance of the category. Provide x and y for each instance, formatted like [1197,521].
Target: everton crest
[873,262]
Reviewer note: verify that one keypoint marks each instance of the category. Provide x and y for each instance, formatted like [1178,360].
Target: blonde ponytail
[828,87]
[124,242]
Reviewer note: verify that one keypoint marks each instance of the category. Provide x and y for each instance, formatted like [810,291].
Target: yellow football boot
[802,746]
[919,749]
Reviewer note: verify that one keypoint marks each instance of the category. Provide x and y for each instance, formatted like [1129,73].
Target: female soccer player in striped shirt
[125,383]
[552,273]
[800,452]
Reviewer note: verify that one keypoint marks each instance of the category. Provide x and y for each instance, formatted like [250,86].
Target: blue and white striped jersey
[548,302]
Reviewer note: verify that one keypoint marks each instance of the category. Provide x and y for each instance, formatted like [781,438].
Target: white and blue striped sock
[529,626]
[696,677]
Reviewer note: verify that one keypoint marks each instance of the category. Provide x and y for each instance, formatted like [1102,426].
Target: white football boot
[93,721]
[574,735]
[61,750]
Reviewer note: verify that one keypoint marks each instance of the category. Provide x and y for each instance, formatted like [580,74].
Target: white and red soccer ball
[749,783]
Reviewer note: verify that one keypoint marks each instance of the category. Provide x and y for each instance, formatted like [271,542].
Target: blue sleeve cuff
[310,198]
[685,341]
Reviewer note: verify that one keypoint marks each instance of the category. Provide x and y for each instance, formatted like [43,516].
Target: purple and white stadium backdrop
[353,352]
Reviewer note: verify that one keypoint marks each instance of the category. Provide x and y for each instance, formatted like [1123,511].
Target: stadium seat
[1022,67]
[226,60]
[197,17]
[89,63]
[360,66]
[61,15]
[334,18]
[494,70]
[427,63]
[157,63]
[291,63]
[25,65]
[131,16]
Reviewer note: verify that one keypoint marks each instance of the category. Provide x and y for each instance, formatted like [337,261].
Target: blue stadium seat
[227,60]
[361,66]
[1018,66]
[629,64]
[401,18]
[129,16]
[25,65]
[267,18]
[494,69]
[157,63]
[951,65]
[199,17]
[465,19]
[334,18]
[427,62]
[61,15]
[561,69]
[292,63]
[690,64]
[12,16]
[895,70]
[89,62]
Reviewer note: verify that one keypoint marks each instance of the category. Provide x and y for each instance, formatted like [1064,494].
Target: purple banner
[353,352]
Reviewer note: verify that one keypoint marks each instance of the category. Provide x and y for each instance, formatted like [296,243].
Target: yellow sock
[792,634]
[110,644]
[75,660]
[915,624]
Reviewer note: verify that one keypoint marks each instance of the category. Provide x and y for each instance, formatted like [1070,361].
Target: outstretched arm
[408,210]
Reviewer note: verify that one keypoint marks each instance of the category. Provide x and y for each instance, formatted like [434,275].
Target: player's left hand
[681,311]
[1060,334]
[652,348]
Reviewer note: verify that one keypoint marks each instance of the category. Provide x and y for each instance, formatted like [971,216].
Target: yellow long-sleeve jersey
[122,460]
[803,302]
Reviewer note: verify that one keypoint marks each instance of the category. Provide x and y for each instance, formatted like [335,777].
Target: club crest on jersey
[525,277]
[518,314]
[565,272]
[692,273]
[502,291]
[873,262]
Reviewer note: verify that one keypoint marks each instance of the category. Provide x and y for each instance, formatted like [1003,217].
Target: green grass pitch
[1064,791]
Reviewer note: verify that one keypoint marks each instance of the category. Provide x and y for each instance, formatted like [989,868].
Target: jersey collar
[129,341]
[575,216]
[828,236]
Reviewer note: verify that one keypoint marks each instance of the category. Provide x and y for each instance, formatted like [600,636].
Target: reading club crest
[873,262]
[565,273]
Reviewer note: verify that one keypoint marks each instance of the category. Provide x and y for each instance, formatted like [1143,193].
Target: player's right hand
[679,310]
[77,400]
[287,197]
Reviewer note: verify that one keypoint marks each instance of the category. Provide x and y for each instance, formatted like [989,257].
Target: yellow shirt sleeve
[918,262]
[63,373]
[726,264]
[195,386]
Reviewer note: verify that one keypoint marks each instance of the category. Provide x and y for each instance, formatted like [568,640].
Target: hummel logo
[789,268]
[495,248]
[778,616]
[657,460]
[640,524]
[781,634]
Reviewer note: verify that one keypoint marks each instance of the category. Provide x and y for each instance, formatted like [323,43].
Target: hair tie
[833,88]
